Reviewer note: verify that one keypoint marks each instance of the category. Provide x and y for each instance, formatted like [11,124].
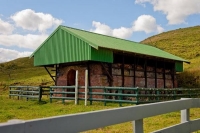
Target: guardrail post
[185,114]
[138,126]
[76,88]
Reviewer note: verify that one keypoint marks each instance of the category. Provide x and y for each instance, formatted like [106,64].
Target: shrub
[189,79]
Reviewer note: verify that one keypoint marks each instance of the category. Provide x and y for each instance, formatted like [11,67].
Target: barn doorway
[71,79]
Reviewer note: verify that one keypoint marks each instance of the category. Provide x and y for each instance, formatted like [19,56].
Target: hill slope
[23,73]
[181,42]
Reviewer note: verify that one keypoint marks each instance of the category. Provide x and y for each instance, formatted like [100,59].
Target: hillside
[22,73]
[181,42]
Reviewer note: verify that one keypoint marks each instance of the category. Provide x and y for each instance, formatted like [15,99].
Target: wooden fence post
[50,94]
[76,88]
[137,97]
[40,93]
[86,86]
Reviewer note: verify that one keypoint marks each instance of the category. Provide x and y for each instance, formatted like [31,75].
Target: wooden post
[122,72]
[76,88]
[89,83]
[10,92]
[156,74]
[86,86]
[145,73]
[164,76]
[40,93]
[173,75]
[50,94]
[134,80]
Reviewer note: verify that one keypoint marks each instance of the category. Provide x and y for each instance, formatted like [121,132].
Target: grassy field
[32,109]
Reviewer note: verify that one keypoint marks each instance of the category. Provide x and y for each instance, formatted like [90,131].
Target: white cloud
[26,41]
[5,27]
[8,54]
[30,20]
[101,28]
[122,32]
[176,10]
[147,24]
[144,23]
[106,30]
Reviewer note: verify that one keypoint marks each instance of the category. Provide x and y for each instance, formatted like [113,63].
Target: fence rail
[103,93]
[121,94]
[28,92]
[96,119]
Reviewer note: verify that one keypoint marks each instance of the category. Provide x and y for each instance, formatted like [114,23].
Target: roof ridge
[103,35]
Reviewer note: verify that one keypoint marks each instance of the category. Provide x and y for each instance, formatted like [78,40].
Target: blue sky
[25,24]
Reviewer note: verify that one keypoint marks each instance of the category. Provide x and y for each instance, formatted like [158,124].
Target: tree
[8,68]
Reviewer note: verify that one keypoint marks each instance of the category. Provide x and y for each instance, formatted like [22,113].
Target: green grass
[32,109]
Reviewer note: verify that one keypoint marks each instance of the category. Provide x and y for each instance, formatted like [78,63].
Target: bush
[189,79]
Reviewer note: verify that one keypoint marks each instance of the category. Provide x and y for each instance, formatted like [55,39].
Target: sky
[25,24]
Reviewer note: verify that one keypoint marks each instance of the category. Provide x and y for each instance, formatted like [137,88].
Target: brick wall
[98,76]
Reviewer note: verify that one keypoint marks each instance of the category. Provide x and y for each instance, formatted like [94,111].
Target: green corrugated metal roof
[98,40]
[62,46]
[65,44]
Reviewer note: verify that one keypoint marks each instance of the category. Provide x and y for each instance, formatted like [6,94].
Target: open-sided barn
[110,61]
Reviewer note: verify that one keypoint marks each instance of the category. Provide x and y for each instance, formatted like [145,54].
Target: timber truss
[52,68]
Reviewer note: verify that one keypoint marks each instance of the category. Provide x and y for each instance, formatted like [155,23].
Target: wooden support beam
[134,72]
[50,74]
[145,72]
[156,74]
[88,68]
[56,74]
[110,71]
[122,71]
[107,72]
[173,72]
[164,75]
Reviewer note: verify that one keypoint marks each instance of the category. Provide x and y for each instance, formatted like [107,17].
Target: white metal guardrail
[92,120]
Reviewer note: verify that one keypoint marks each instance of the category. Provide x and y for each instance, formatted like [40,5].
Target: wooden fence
[91,120]
[103,93]
[28,92]
[120,94]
